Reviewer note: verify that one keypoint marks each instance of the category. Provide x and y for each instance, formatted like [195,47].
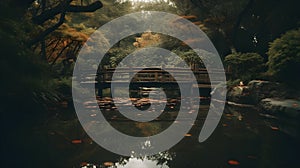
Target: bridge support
[100,91]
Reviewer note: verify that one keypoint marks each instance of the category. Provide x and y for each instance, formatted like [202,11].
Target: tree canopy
[244,66]
[284,57]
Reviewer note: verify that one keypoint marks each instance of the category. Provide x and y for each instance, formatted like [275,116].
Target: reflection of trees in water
[161,159]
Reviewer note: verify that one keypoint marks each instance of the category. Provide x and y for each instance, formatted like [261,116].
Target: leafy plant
[244,66]
[284,57]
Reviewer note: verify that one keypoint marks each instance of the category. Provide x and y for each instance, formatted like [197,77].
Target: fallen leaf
[188,135]
[83,163]
[197,23]
[189,17]
[233,162]
[274,128]
[108,164]
[76,141]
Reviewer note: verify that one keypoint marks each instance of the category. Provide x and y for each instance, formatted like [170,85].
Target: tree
[48,16]
[244,66]
[284,57]
[61,8]
[245,25]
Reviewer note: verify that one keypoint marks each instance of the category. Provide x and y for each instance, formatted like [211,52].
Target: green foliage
[116,55]
[63,86]
[19,65]
[244,66]
[192,58]
[189,56]
[26,79]
[284,57]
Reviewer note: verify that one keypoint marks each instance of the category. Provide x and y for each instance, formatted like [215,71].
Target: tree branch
[60,53]
[89,8]
[49,30]
[53,49]
[50,13]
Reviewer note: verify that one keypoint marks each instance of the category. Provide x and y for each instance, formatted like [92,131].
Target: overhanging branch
[61,9]
[50,13]
[49,30]
[89,8]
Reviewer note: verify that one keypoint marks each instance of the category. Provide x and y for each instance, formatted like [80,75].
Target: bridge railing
[154,75]
[146,76]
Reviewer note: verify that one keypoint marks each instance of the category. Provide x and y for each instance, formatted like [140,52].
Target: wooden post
[100,90]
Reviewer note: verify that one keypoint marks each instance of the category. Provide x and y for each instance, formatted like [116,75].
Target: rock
[240,94]
[289,108]
[285,112]
[262,89]
[266,89]
[279,104]
[256,90]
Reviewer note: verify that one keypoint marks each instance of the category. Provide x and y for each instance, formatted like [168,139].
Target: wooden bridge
[152,77]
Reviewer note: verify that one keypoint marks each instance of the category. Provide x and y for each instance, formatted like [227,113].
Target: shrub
[244,66]
[284,57]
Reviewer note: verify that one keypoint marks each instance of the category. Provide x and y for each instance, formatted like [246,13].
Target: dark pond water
[242,139]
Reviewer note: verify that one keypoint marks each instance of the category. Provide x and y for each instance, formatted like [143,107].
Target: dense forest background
[40,40]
